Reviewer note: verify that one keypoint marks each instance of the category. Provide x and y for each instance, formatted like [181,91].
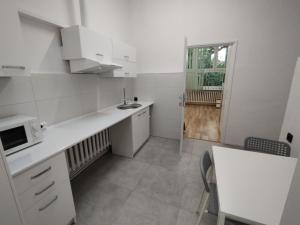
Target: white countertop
[252,187]
[60,137]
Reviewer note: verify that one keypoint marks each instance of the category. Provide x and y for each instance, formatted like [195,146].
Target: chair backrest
[267,146]
[205,163]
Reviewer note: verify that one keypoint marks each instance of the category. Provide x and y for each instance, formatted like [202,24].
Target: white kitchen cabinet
[10,212]
[57,208]
[129,135]
[80,42]
[140,129]
[123,51]
[12,55]
[125,55]
[44,192]
[128,69]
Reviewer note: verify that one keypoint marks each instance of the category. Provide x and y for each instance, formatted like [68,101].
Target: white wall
[60,11]
[157,32]
[291,122]
[268,43]
[164,90]
[107,16]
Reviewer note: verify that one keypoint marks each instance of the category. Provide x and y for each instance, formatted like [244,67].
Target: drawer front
[57,208]
[38,192]
[54,168]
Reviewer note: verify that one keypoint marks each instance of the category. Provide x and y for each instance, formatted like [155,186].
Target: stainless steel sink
[129,106]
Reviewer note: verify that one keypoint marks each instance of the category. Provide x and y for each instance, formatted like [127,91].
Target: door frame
[182,97]
[227,92]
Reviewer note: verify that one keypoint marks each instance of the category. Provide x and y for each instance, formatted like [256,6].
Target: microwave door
[12,139]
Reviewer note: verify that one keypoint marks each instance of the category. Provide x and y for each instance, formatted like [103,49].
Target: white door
[10,212]
[182,99]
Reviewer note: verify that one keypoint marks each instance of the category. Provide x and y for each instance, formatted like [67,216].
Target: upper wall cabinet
[123,51]
[12,49]
[125,55]
[91,52]
[88,51]
[80,42]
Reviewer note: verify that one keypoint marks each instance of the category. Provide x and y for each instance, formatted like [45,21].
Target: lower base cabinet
[44,192]
[57,208]
[128,136]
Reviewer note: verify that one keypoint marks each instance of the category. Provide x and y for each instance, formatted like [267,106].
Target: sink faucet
[124,96]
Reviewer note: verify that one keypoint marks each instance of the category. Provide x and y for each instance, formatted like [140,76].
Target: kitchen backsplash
[59,96]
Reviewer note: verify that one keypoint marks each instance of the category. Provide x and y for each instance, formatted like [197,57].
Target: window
[206,67]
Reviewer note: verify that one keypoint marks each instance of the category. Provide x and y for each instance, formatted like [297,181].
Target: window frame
[195,71]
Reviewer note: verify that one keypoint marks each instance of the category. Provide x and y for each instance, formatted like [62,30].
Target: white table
[252,187]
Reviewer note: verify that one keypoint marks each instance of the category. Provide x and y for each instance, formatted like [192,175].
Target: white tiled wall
[164,89]
[111,90]
[60,96]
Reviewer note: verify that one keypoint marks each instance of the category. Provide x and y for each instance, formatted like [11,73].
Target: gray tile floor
[157,187]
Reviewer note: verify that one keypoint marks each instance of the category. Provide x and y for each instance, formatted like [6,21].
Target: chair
[211,189]
[267,146]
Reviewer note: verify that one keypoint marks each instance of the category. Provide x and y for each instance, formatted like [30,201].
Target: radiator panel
[81,155]
[205,97]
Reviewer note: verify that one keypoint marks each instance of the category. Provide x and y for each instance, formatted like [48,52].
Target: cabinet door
[9,212]
[140,127]
[146,125]
[137,130]
[80,42]
[104,48]
[95,46]
[128,69]
[12,57]
[131,67]
[123,51]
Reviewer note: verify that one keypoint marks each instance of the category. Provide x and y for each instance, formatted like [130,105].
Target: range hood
[87,51]
[91,66]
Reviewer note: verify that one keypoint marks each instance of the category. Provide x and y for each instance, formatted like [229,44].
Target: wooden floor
[202,122]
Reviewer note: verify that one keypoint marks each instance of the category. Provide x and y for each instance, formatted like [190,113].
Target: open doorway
[206,68]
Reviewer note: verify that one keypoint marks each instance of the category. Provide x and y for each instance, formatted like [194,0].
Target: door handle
[48,204]
[40,173]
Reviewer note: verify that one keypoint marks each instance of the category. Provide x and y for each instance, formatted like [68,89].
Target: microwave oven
[19,132]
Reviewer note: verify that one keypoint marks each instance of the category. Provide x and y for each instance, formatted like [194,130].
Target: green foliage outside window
[206,66]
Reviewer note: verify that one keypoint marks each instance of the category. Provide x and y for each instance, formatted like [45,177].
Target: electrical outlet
[289,137]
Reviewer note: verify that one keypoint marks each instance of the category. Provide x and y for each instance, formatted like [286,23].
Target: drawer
[54,168]
[141,113]
[57,208]
[38,192]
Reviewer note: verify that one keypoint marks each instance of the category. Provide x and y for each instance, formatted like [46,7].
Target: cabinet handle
[126,56]
[48,204]
[45,189]
[126,73]
[41,173]
[98,54]
[13,67]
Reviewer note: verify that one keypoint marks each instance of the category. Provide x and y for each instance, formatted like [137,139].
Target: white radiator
[86,152]
[205,97]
